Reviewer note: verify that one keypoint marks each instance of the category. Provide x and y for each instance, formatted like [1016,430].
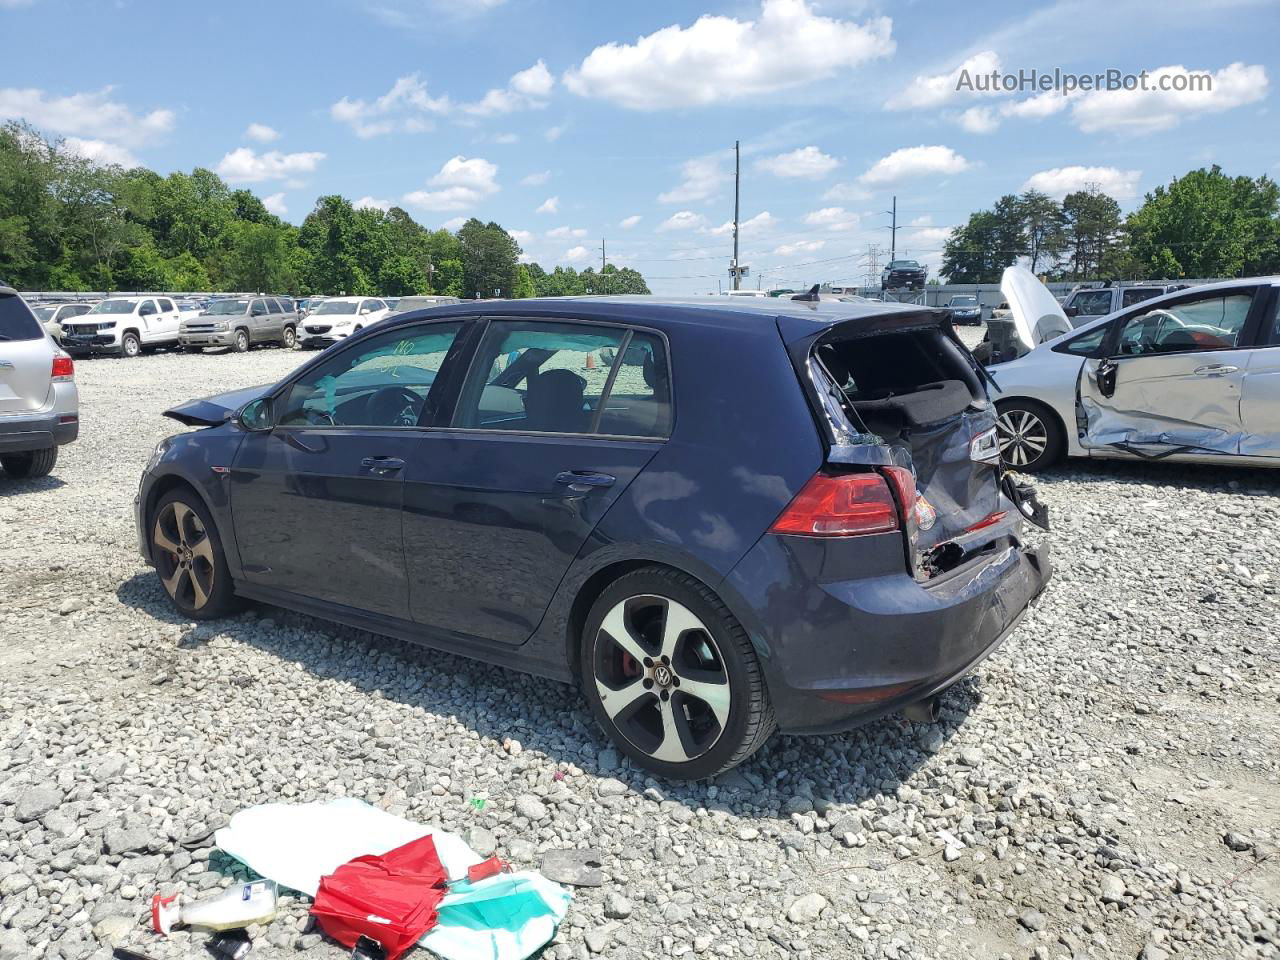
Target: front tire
[130,345]
[671,676]
[188,557]
[30,464]
[1031,438]
[241,344]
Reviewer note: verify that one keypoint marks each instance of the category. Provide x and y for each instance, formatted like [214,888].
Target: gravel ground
[1106,785]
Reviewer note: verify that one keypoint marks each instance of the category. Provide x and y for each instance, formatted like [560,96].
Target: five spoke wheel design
[1023,437]
[184,555]
[661,678]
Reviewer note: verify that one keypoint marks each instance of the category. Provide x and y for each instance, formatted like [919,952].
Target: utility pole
[737,182]
[602,259]
[893,231]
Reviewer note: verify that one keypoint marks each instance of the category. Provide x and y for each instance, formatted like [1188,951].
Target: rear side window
[567,378]
[16,320]
[1086,344]
[166,305]
[1093,303]
[274,305]
[1137,294]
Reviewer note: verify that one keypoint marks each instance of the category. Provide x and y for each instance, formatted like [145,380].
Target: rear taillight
[841,505]
[63,368]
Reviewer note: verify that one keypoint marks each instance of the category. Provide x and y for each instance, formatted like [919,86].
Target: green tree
[1043,230]
[524,284]
[1207,224]
[449,278]
[401,276]
[1092,225]
[972,254]
[489,259]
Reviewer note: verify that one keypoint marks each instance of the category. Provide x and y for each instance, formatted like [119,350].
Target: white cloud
[461,183]
[684,220]
[628,222]
[564,233]
[261,132]
[101,152]
[979,120]
[536,179]
[720,58]
[921,221]
[846,193]
[924,238]
[275,204]
[914,162]
[406,106]
[87,115]
[549,205]
[1145,111]
[372,203]
[15,4]
[554,133]
[808,163]
[506,138]
[520,236]
[1058,182]
[527,89]
[933,90]
[454,224]
[800,246]
[574,254]
[246,165]
[836,219]
[758,224]
[702,179]
[1038,107]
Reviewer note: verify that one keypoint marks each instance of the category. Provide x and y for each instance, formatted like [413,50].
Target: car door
[167,320]
[1171,376]
[259,320]
[148,321]
[1260,395]
[316,498]
[549,428]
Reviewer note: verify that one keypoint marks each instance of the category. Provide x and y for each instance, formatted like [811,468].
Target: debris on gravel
[1110,776]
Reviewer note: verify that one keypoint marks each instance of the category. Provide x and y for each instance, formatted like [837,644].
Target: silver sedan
[1189,376]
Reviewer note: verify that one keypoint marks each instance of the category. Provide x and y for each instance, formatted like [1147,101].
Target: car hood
[1037,315]
[211,411]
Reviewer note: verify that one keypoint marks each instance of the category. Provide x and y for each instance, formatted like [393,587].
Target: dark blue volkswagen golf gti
[720,518]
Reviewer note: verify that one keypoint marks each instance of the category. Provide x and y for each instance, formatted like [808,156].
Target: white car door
[1172,379]
[168,320]
[1260,398]
[149,321]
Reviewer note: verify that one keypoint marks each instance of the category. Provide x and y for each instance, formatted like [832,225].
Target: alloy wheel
[131,346]
[1023,437]
[184,555]
[661,678]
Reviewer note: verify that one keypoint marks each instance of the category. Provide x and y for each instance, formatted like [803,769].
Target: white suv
[338,317]
[124,326]
[39,406]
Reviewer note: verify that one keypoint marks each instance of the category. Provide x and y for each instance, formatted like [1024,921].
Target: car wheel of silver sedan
[671,676]
[1030,437]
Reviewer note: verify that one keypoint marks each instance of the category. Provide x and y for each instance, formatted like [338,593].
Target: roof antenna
[811,296]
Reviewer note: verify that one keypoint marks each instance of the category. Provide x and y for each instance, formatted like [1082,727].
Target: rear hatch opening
[901,395]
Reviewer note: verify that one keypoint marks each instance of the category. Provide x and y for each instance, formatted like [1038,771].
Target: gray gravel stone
[530,807]
[616,906]
[35,801]
[807,909]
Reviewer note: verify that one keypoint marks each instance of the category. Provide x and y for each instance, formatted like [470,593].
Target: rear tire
[241,344]
[687,702]
[1031,436]
[29,464]
[188,557]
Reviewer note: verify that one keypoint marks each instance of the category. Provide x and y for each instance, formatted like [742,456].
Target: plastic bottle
[238,906]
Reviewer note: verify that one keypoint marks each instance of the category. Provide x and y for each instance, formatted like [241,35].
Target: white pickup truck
[123,326]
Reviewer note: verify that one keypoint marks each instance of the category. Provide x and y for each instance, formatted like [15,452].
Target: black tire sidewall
[722,626]
[124,345]
[223,600]
[290,339]
[30,464]
[1055,446]
[241,342]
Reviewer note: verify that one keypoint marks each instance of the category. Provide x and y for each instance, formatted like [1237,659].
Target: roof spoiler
[810,296]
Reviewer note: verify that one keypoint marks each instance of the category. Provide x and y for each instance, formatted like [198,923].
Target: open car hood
[1037,316]
[211,411]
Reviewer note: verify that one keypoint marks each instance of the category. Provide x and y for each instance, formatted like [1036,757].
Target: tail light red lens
[840,505]
[63,368]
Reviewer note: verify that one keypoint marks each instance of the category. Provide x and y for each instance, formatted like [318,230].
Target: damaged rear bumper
[868,647]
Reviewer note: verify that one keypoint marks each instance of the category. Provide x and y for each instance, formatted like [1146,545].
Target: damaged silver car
[1190,376]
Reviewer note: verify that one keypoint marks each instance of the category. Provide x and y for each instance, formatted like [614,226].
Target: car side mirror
[257,416]
[1071,311]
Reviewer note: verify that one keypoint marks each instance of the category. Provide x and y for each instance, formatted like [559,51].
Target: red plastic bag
[390,898]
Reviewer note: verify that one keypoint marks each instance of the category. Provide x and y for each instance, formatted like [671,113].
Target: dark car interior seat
[553,402]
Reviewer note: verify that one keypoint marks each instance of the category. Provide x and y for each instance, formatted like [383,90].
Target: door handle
[1215,370]
[382,464]
[582,479]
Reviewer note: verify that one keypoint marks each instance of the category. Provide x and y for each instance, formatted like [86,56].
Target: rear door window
[17,321]
[274,305]
[1137,294]
[567,378]
[1093,302]
[166,305]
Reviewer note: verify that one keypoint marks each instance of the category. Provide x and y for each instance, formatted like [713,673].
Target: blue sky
[570,121]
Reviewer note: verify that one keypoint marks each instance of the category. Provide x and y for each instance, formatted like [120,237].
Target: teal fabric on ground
[507,917]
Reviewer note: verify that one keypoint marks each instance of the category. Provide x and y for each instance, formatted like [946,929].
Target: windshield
[904,263]
[44,314]
[336,306]
[964,301]
[226,308]
[114,306]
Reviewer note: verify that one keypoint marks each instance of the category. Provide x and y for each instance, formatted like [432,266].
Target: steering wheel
[394,407]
